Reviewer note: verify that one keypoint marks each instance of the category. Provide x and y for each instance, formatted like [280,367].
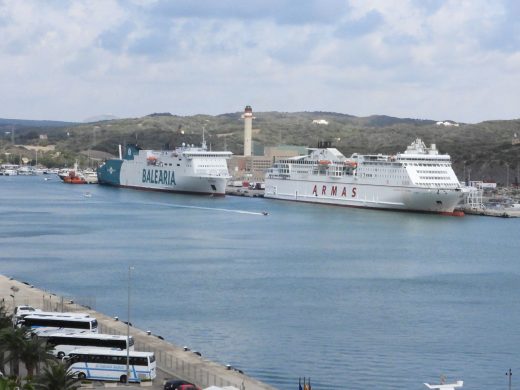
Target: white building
[447,123]
[320,122]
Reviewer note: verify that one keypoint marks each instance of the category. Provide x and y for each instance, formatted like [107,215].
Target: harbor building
[255,161]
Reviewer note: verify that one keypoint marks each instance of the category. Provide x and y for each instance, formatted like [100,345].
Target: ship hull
[354,193]
[135,175]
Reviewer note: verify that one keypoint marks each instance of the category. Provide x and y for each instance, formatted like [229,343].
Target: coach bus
[38,324]
[110,365]
[64,343]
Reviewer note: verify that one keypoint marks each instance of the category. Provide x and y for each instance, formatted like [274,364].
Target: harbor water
[353,299]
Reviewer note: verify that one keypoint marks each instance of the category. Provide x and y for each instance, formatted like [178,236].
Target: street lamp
[130,268]
[14,289]
[509,374]
[507,175]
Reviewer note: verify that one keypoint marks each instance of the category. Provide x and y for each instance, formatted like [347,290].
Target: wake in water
[181,206]
[212,209]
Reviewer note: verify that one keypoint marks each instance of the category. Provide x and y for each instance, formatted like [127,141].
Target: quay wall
[171,359]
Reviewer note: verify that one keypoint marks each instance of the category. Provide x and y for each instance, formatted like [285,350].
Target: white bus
[38,324]
[64,343]
[23,311]
[110,365]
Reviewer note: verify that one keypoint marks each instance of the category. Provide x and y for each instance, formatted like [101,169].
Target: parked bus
[64,343]
[38,324]
[110,365]
[23,311]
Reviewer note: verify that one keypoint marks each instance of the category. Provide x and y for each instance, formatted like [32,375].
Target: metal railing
[167,362]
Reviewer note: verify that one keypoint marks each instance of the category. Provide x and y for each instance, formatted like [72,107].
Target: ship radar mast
[203,138]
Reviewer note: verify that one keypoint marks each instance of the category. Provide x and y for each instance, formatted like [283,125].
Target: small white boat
[90,176]
[445,386]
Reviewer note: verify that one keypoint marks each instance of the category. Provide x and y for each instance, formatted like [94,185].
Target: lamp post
[509,374]
[14,289]
[130,268]
[507,175]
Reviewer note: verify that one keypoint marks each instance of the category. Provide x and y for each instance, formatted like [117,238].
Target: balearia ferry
[187,169]
[420,179]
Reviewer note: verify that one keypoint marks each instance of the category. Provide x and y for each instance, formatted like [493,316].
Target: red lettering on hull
[334,191]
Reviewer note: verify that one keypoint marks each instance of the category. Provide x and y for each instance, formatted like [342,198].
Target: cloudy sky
[435,59]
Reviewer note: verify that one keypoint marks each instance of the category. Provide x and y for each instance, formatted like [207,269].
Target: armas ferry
[420,179]
[187,169]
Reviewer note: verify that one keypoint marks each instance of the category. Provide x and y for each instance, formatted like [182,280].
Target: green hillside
[482,150]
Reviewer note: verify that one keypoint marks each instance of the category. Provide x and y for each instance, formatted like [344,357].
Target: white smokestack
[248,129]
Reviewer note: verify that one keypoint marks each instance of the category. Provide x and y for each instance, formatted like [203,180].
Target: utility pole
[130,268]
[507,175]
[509,374]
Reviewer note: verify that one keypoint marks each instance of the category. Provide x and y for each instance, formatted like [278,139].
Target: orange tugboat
[73,178]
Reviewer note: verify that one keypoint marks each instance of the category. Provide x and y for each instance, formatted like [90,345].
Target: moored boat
[186,169]
[74,178]
[419,179]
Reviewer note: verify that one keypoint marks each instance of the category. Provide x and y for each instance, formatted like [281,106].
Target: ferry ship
[187,169]
[420,179]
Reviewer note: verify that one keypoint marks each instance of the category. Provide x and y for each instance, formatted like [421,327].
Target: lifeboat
[151,160]
[324,162]
[352,164]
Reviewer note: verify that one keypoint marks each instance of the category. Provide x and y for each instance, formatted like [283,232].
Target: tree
[34,352]
[5,323]
[12,340]
[5,318]
[14,384]
[57,376]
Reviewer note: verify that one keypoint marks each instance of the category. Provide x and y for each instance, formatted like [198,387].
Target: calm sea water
[354,299]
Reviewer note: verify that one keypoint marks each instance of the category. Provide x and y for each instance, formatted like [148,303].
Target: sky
[428,59]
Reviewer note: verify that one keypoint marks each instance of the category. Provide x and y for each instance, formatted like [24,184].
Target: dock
[244,191]
[173,361]
[489,212]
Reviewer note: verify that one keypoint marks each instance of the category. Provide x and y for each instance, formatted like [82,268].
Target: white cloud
[440,59]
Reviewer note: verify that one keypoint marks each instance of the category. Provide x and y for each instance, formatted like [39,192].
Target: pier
[172,361]
[489,212]
[244,191]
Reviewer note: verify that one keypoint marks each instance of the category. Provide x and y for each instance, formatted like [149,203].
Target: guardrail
[167,362]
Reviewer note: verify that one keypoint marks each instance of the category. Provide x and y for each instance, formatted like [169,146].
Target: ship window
[178,165]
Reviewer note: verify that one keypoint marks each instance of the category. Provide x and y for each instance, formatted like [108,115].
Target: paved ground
[172,361]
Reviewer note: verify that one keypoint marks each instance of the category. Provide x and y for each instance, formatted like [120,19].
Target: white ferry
[420,179]
[187,169]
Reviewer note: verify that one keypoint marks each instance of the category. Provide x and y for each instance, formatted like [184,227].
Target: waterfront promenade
[172,361]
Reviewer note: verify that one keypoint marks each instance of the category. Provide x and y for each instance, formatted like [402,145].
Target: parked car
[179,384]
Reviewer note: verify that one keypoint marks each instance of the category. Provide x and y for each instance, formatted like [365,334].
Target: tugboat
[74,178]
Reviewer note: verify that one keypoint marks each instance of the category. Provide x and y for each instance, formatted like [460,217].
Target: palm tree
[57,376]
[5,323]
[5,319]
[14,384]
[12,340]
[34,352]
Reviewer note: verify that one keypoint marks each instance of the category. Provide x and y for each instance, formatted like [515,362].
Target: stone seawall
[173,360]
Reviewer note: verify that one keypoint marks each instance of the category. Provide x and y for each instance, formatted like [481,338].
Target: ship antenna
[203,138]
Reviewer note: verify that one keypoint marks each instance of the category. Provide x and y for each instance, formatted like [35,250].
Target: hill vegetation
[482,151]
